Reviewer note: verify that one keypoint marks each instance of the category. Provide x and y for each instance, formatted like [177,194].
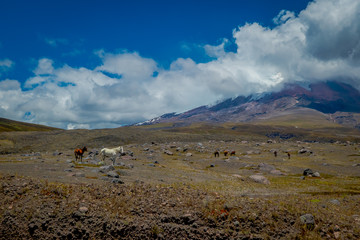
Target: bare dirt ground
[180,190]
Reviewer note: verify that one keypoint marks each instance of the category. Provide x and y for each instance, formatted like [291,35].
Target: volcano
[322,103]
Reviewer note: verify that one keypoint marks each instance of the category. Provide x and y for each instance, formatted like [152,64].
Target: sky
[104,64]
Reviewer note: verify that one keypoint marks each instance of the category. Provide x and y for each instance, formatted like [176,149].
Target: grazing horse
[79,152]
[226,153]
[232,153]
[111,152]
[216,154]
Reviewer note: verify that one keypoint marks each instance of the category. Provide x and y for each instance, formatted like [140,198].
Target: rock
[233,158]
[113,174]
[302,177]
[68,161]
[79,174]
[83,209]
[68,170]
[308,172]
[105,169]
[168,152]
[316,174]
[308,220]
[335,201]
[117,180]
[212,165]
[151,165]
[101,163]
[277,172]
[188,154]
[266,167]
[238,177]
[259,179]
[302,151]
[356,165]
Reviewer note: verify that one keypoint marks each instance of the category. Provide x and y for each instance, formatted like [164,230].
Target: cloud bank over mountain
[320,43]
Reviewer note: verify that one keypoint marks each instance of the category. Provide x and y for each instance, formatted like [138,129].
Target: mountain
[7,125]
[321,104]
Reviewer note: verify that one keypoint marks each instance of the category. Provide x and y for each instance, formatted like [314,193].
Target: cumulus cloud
[126,87]
[5,65]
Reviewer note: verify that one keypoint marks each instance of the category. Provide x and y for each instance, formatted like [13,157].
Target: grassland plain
[170,184]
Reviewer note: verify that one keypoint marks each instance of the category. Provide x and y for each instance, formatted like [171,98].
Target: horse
[226,153]
[232,153]
[111,152]
[216,154]
[79,152]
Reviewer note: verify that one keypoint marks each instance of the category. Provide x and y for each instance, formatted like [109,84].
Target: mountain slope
[320,104]
[7,125]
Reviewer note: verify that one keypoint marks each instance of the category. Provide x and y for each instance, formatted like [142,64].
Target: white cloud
[6,65]
[54,42]
[321,43]
[45,66]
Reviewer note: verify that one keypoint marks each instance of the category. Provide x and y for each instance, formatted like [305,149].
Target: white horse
[111,152]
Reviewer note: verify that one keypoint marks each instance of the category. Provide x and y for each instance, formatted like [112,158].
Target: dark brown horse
[226,153]
[232,153]
[79,152]
[216,154]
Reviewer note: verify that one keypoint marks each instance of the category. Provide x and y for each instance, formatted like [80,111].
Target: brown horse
[216,154]
[79,153]
[226,153]
[232,153]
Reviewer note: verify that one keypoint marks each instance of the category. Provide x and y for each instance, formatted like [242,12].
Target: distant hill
[7,125]
[324,104]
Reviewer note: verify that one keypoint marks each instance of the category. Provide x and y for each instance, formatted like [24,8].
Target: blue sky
[94,64]
[69,32]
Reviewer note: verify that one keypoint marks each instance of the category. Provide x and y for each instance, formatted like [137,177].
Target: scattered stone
[308,172]
[151,165]
[105,169]
[326,164]
[302,151]
[117,180]
[146,149]
[302,177]
[212,165]
[238,177]
[168,152]
[234,158]
[188,154]
[356,165]
[79,174]
[68,170]
[83,209]
[264,167]
[335,202]
[316,174]
[277,172]
[308,220]
[259,179]
[113,174]
[69,161]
